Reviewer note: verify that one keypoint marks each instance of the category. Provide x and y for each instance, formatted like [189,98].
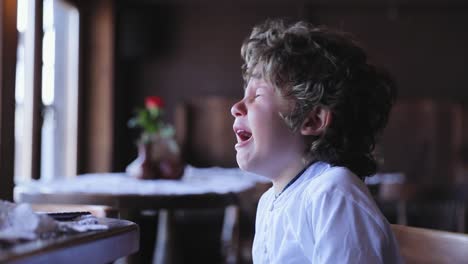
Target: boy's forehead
[256,74]
[255,80]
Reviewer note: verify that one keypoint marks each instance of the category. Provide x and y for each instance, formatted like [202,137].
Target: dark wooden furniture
[204,131]
[104,246]
[422,245]
[8,46]
[101,211]
[433,134]
[450,200]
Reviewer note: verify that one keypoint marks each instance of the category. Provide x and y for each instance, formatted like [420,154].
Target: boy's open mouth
[243,135]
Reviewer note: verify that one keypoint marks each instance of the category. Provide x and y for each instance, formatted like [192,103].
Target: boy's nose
[238,109]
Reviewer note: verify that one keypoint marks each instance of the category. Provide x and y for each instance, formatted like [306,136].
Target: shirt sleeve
[344,231]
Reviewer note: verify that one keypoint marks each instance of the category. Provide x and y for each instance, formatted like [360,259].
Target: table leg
[230,234]
[460,215]
[131,215]
[401,213]
[163,250]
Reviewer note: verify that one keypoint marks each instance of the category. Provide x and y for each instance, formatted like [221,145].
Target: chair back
[432,132]
[204,131]
[422,245]
[438,206]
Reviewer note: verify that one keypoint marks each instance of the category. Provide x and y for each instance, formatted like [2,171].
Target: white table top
[194,181]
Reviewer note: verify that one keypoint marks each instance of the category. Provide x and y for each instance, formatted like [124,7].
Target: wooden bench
[422,245]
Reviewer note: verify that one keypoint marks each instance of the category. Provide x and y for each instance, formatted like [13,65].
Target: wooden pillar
[96,106]
[8,46]
[37,91]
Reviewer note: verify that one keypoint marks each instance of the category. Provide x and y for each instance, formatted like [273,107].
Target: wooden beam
[37,118]
[96,106]
[8,46]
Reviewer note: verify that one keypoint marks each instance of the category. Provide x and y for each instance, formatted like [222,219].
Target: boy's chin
[245,166]
[242,165]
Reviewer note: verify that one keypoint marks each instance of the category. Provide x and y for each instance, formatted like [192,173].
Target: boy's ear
[316,122]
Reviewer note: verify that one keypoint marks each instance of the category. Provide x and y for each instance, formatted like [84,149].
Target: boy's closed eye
[259,92]
[254,97]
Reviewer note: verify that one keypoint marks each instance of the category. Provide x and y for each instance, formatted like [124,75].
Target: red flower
[154,102]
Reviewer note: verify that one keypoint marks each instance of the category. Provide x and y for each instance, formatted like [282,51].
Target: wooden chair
[204,131]
[433,133]
[444,204]
[421,245]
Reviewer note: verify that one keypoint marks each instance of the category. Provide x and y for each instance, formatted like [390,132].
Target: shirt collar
[312,171]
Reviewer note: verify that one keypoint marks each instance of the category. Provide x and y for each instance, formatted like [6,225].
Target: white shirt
[326,216]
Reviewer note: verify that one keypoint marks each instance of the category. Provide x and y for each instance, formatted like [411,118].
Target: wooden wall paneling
[198,55]
[461,175]
[422,140]
[448,141]
[407,140]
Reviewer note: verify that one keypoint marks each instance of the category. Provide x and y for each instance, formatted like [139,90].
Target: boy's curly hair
[316,66]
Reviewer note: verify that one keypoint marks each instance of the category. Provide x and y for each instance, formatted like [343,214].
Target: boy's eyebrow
[256,75]
[253,72]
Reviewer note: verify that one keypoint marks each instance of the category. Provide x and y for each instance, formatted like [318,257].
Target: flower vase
[157,159]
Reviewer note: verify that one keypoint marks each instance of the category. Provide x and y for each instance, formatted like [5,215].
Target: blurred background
[73,71]
[82,67]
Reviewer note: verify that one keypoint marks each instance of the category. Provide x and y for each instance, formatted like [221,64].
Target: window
[24,73]
[58,90]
